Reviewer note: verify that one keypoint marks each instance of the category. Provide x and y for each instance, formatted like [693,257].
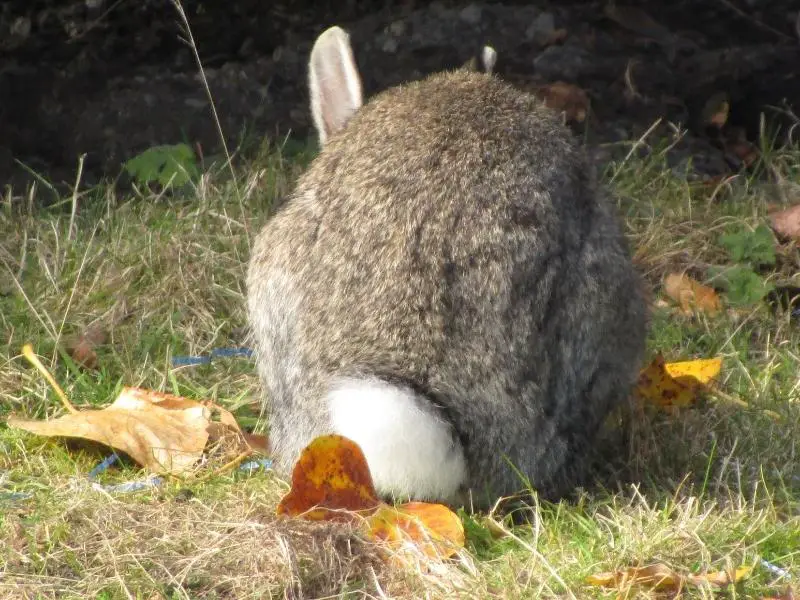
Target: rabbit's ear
[334,82]
[488,58]
[483,62]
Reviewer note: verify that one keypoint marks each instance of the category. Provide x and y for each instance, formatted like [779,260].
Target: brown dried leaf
[259,443]
[659,576]
[163,432]
[555,37]
[745,151]
[82,348]
[720,579]
[565,98]
[786,223]
[737,146]
[690,295]
[716,110]
[82,352]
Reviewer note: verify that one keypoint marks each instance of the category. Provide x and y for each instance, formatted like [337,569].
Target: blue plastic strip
[775,569]
[183,361]
[255,465]
[134,486]
[107,462]
[15,496]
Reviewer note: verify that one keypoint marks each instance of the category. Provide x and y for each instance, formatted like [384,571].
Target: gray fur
[449,238]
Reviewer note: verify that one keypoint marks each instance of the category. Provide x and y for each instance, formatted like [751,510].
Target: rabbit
[446,286]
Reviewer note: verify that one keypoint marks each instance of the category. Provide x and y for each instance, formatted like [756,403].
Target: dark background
[112,78]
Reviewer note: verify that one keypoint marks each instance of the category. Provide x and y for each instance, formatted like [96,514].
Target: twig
[90,26]
[755,21]
[27,352]
[224,468]
[74,209]
[190,40]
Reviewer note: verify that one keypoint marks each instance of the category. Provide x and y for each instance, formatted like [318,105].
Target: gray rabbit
[445,287]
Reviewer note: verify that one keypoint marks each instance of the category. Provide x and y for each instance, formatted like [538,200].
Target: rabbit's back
[448,239]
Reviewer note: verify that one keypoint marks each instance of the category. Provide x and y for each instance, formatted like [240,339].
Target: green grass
[711,487]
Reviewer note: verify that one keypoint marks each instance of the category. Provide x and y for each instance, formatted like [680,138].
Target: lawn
[710,487]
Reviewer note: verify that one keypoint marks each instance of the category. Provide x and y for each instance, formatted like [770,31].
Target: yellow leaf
[656,386]
[676,384]
[690,295]
[657,576]
[432,528]
[720,578]
[701,371]
[331,480]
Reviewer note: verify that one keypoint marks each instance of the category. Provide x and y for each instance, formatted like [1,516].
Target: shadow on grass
[714,450]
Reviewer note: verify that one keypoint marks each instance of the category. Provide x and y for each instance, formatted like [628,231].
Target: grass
[712,487]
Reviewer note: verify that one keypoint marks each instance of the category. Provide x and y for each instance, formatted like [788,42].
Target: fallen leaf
[555,37]
[162,432]
[691,295]
[82,348]
[659,576]
[675,384]
[745,151]
[329,480]
[716,110]
[83,354]
[432,528]
[258,442]
[702,370]
[738,147]
[786,223]
[565,98]
[720,578]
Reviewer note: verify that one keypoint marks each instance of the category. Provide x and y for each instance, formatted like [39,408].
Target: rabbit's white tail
[411,451]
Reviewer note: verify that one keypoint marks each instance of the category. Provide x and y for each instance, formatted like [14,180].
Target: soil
[108,79]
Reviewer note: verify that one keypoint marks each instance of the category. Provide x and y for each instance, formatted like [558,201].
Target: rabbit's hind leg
[411,450]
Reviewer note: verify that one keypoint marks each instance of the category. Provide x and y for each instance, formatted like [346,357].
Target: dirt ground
[110,79]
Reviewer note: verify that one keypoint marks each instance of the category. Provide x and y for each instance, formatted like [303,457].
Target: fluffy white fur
[410,451]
